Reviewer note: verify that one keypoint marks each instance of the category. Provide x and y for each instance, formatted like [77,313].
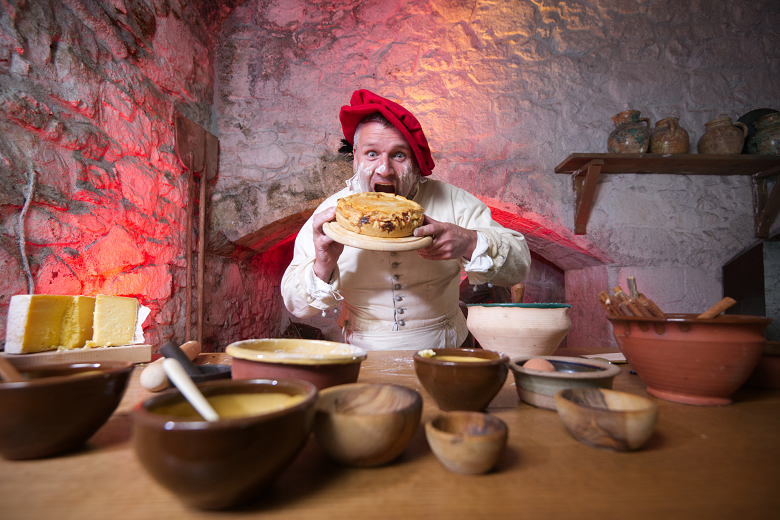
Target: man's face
[384,161]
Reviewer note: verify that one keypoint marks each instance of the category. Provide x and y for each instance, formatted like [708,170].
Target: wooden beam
[585,189]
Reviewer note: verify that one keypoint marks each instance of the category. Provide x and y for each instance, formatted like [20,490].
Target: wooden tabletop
[702,462]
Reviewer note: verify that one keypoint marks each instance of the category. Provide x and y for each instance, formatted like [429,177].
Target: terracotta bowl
[367,424]
[520,329]
[538,388]
[217,465]
[59,407]
[456,385]
[322,363]
[467,442]
[606,418]
[688,360]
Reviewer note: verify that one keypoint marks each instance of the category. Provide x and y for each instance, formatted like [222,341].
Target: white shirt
[400,301]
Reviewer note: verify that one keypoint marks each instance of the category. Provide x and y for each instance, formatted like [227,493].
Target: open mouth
[384,188]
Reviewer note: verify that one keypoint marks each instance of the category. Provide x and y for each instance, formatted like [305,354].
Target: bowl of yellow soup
[322,363]
[263,425]
[461,379]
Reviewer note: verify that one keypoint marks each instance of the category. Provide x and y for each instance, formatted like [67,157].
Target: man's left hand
[450,242]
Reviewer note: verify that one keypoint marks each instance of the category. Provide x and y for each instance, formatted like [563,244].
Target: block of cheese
[41,322]
[114,321]
[77,323]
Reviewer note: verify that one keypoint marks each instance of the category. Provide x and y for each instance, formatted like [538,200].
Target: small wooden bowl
[606,418]
[365,425]
[467,442]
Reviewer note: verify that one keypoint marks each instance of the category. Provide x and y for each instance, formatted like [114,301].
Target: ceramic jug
[766,141]
[669,137]
[723,136]
[630,134]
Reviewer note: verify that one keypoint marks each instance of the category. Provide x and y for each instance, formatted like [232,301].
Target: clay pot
[629,135]
[723,136]
[767,138]
[669,137]
[689,360]
[519,329]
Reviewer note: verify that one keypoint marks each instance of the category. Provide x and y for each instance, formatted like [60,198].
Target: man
[403,300]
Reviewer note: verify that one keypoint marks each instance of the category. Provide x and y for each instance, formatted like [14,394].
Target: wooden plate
[350,238]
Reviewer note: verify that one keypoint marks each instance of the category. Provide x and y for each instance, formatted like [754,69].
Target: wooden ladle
[716,309]
[9,373]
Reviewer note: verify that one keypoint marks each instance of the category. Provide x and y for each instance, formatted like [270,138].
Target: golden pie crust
[379,215]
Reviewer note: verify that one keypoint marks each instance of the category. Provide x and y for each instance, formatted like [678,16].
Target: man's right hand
[326,250]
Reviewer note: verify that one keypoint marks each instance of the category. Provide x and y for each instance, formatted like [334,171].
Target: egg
[539,364]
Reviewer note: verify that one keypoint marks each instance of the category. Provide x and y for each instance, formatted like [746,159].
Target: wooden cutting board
[352,239]
[132,353]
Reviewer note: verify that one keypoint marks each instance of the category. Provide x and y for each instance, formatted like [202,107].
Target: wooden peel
[716,309]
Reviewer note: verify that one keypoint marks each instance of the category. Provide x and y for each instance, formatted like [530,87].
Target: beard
[406,180]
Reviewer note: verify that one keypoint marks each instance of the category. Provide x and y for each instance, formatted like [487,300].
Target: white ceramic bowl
[519,329]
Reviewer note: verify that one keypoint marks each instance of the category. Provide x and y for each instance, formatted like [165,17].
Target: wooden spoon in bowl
[178,376]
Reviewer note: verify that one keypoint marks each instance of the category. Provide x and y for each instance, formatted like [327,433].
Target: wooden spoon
[9,373]
[716,309]
[189,390]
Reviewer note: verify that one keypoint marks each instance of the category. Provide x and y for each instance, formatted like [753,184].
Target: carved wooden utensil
[716,309]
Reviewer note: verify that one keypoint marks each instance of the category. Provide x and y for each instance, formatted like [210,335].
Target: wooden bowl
[221,464]
[606,418]
[519,329]
[322,363]
[688,360]
[456,385]
[59,407]
[366,424]
[538,388]
[467,442]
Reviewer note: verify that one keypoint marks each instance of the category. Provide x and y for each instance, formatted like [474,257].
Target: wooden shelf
[585,169]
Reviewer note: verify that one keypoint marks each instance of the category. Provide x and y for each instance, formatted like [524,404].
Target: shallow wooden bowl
[538,388]
[606,418]
[366,424]
[467,442]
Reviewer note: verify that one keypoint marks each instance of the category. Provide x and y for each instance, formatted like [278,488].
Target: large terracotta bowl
[221,464]
[461,385]
[59,407]
[322,363]
[689,360]
[519,329]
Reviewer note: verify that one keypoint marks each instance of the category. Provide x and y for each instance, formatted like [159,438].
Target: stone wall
[87,95]
[506,90]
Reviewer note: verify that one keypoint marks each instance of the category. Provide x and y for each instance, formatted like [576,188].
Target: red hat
[364,103]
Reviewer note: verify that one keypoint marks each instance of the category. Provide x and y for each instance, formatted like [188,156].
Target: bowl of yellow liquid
[461,379]
[263,425]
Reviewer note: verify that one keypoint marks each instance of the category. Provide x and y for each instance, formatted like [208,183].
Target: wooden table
[702,462]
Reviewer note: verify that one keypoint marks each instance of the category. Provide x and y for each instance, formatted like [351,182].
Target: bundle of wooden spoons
[632,303]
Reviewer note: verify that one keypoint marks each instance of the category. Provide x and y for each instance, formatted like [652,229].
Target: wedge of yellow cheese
[41,322]
[114,321]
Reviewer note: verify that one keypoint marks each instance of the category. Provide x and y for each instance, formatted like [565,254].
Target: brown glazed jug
[723,136]
[630,134]
[669,137]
